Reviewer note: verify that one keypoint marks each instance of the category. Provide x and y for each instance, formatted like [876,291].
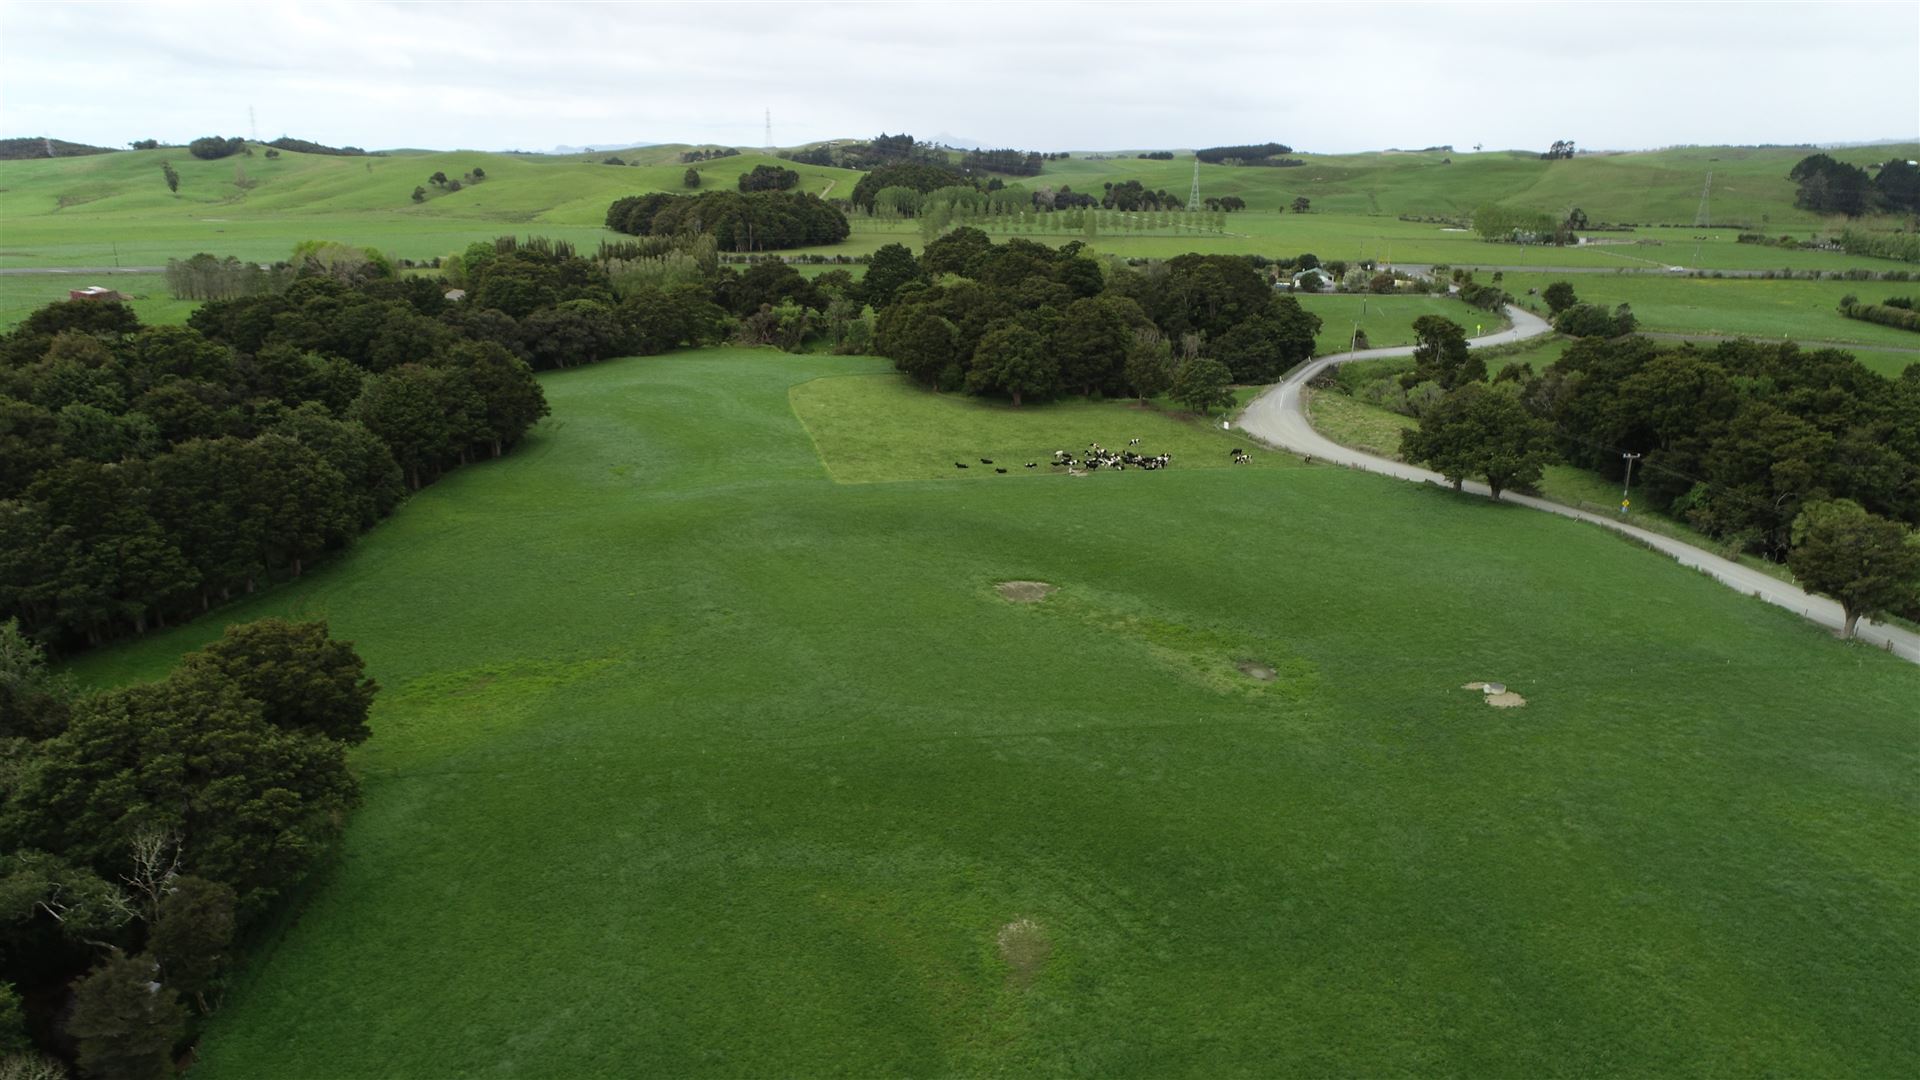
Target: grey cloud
[1327,77]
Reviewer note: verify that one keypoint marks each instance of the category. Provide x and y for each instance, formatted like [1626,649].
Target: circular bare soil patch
[1024,592]
[1024,947]
[1496,694]
[1252,670]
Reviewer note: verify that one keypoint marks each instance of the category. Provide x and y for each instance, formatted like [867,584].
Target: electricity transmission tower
[1702,216]
[769,131]
[253,129]
[1193,198]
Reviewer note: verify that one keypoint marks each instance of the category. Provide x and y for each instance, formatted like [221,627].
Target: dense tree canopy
[1254,154]
[162,816]
[149,471]
[921,176]
[213,147]
[761,221]
[1740,437]
[1832,187]
[766,178]
[1481,431]
[968,316]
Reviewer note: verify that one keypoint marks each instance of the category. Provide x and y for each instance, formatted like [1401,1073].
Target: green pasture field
[1387,320]
[75,211]
[1750,185]
[861,423]
[1887,363]
[23,294]
[1775,309]
[1385,240]
[1352,422]
[691,761]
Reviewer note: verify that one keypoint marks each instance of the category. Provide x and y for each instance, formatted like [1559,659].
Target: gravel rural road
[1278,418]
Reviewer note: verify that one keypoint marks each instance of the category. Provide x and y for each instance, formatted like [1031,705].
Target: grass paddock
[693,761]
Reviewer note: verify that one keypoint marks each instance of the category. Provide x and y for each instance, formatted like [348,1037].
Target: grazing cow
[1001,471]
[1033,464]
[1133,442]
[959,464]
[986,461]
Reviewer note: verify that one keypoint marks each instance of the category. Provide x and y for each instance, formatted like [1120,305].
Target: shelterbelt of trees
[1027,321]
[144,830]
[1740,437]
[147,471]
[1805,457]
[737,220]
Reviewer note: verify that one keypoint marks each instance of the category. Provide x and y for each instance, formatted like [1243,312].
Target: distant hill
[40,146]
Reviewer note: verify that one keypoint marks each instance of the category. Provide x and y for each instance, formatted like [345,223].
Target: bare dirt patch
[1025,948]
[1260,672]
[1496,694]
[1025,592]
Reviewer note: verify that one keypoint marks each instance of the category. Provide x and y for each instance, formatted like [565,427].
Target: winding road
[1279,419]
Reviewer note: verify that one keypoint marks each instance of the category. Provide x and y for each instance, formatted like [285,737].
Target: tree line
[1744,440]
[145,830]
[1271,153]
[213,147]
[764,178]
[1027,322]
[209,277]
[1009,162]
[1895,311]
[146,472]
[150,470]
[759,221]
[1826,186]
[1806,458]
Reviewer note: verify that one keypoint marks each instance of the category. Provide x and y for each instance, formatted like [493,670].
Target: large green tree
[253,805]
[923,345]
[1149,367]
[304,680]
[124,1023]
[1014,360]
[1481,431]
[405,409]
[892,267]
[1202,385]
[510,399]
[192,934]
[1559,297]
[1260,349]
[1441,355]
[1867,563]
[1091,340]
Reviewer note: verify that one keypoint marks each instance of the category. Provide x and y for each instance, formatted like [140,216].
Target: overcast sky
[1320,76]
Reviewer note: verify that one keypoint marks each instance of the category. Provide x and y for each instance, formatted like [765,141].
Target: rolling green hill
[691,761]
[81,211]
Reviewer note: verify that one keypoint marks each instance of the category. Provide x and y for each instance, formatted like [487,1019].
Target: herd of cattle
[1099,457]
